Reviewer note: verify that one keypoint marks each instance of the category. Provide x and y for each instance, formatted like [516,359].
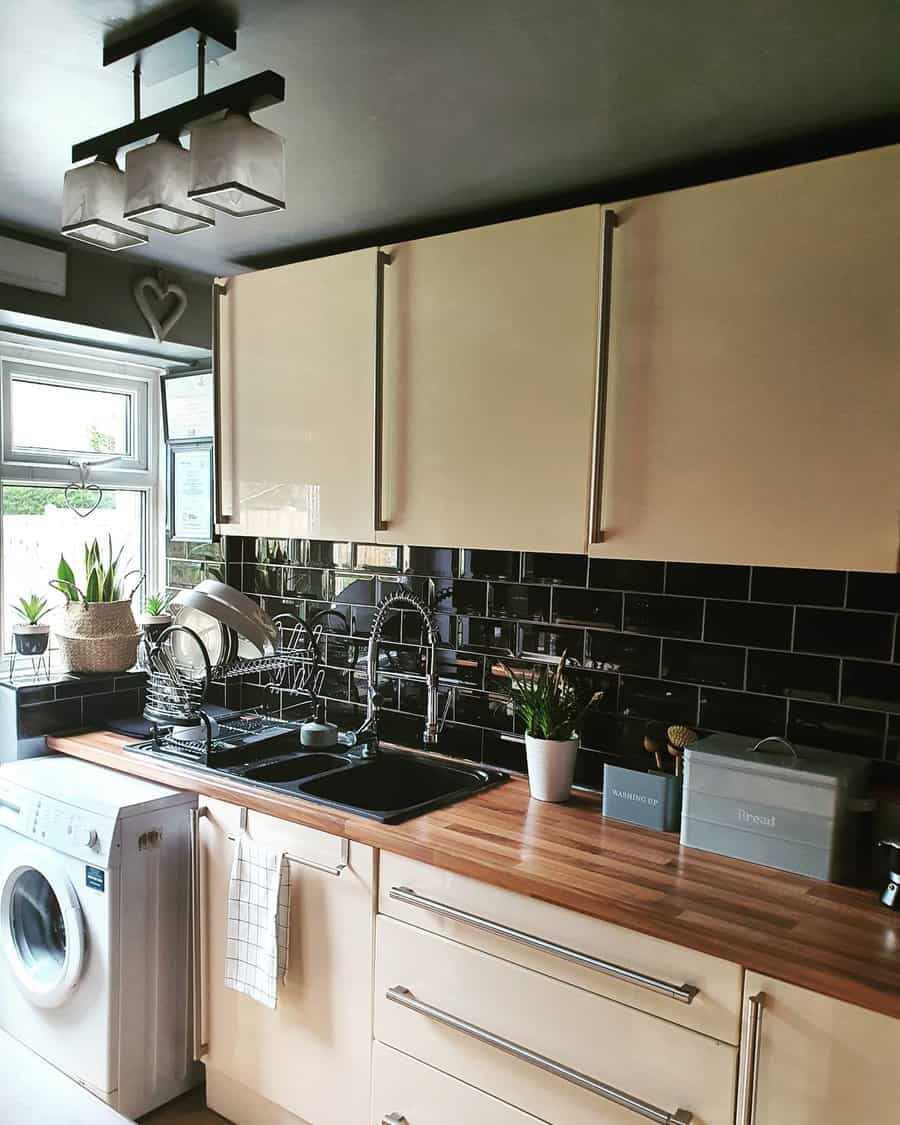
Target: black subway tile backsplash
[741,713]
[570,570]
[747,623]
[664,616]
[491,564]
[624,652]
[708,581]
[866,684]
[624,574]
[527,603]
[874,591]
[439,562]
[717,665]
[601,609]
[798,587]
[794,675]
[659,699]
[461,595]
[844,633]
[750,650]
[837,728]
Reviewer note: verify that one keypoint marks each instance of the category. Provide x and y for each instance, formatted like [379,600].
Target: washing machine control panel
[75,832]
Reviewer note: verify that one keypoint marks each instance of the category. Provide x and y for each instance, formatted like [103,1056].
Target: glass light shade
[157,177]
[93,202]
[237,166]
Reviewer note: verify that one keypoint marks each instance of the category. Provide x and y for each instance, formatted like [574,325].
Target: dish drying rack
[176,688]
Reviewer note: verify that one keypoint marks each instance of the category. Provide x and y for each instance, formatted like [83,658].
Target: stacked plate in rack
[230,625]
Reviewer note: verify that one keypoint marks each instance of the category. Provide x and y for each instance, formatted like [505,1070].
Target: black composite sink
[396,786]
[296,768]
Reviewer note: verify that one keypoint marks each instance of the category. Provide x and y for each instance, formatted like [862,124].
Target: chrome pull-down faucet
[367,735]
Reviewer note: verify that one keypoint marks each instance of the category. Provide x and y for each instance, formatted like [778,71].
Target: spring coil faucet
[367,735]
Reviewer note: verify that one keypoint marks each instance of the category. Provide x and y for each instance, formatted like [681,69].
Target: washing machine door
[41,925]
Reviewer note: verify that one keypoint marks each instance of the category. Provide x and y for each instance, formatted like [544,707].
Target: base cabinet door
[407,1092]
[294,355]
[809,1060]
[311,1056]
[753,406]
[490,363]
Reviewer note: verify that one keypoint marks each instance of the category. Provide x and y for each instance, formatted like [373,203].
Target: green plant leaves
[548,704]
[103,582]
[31,609]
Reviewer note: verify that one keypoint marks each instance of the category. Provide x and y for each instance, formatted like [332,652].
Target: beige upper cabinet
[490,346]
[295,348]
[753,410]
[810,1060]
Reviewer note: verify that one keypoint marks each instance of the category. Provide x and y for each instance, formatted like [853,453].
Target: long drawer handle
[222,414]
[394,1119]
[383,260]
[750,1069]
[403,996]
[603,330]
[684,993]
[199,1047]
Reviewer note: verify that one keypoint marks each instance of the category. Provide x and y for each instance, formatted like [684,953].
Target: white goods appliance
[95,927]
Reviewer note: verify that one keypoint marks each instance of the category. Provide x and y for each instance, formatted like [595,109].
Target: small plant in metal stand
[30,636]
[97,631]
[552,710]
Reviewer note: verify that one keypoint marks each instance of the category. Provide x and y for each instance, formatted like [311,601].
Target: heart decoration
[161,291]
[95,493]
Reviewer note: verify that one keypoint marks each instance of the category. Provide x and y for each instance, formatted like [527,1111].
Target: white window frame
[104,370]
[135,389]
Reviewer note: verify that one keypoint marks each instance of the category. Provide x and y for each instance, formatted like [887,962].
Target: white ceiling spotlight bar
[234,166]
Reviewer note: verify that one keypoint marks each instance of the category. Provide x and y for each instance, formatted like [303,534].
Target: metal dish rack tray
[294,665]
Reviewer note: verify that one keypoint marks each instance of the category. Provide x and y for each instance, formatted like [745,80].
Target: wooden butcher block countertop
[836,940]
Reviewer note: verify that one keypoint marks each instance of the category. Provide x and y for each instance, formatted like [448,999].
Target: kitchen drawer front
[714,1009]
[407,1092]
[563,1054]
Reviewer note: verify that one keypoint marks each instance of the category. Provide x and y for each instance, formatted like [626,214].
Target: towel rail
[329,869]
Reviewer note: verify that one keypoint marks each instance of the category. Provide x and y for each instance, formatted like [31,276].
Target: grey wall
[98,295]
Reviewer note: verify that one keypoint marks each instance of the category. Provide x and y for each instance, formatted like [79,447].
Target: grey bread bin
[771,807]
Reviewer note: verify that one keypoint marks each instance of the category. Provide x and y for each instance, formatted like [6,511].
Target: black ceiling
[417,115]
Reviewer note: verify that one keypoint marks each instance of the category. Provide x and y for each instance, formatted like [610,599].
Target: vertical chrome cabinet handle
[383,260]
[603,331]
[684,993]
[199,1047]
[222,412]
[750,1068]
[401,995]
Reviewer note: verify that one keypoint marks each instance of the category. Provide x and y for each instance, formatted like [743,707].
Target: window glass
[59,416]
[38,527]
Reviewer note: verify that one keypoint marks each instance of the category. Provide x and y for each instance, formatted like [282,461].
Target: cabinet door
[753,410]
[489,380]
[311,1055]
[295,359]
[818,1061]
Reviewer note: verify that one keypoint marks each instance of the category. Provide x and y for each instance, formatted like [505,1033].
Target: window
[59,407]
[52,416]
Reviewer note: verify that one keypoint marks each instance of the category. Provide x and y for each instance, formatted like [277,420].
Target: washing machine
[95,927]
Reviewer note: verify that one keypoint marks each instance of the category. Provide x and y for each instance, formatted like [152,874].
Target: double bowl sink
[393,786]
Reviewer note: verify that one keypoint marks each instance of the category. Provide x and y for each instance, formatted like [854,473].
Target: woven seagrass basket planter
[97,636]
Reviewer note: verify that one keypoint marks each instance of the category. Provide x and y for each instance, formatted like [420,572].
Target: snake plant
[103,580]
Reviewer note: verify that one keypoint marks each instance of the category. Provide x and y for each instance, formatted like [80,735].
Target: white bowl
[230,607]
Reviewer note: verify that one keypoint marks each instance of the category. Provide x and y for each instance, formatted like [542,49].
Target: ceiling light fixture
[234,166]
[157,177]
[93,203]
[237,166]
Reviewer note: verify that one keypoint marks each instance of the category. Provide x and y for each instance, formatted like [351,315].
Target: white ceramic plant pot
[551,767]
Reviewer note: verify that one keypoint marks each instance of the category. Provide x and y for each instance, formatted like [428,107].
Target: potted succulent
[156,616]
[30,636]
[96,629]
[552,710]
